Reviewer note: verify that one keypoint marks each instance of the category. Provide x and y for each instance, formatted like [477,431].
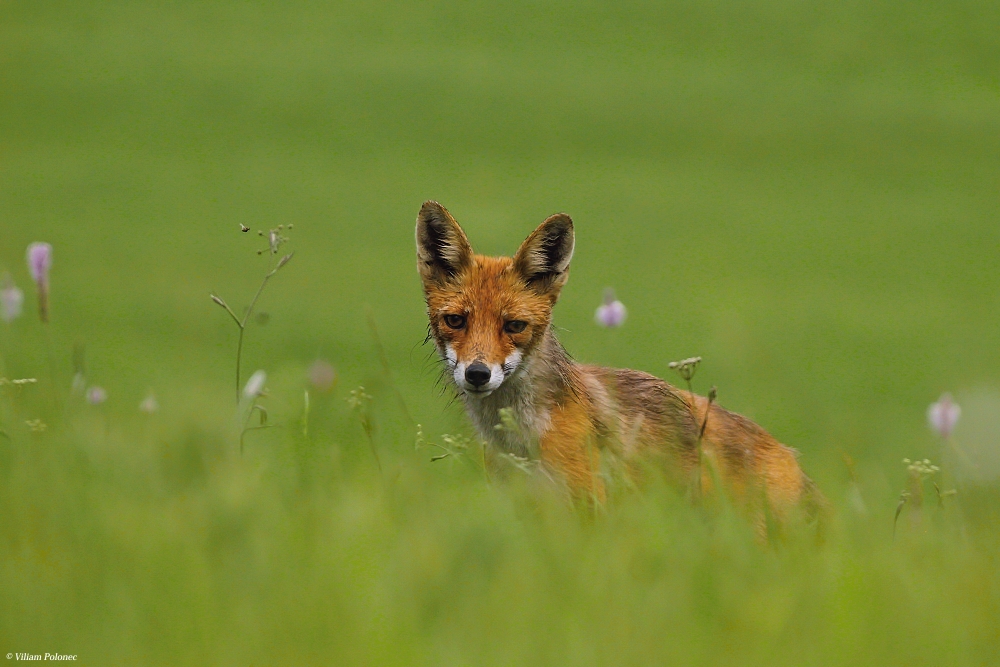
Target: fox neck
[527,397]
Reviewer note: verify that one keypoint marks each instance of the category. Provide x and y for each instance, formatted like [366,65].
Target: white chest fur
[510,419]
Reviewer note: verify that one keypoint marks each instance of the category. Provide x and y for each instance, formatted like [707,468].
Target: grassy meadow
[802,193]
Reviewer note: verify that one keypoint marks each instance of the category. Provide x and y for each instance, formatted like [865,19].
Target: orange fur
[567,445]
[490,318]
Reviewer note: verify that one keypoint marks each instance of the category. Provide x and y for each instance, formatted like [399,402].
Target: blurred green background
[803,193]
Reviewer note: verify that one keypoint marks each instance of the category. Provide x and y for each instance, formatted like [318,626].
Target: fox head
[488,314]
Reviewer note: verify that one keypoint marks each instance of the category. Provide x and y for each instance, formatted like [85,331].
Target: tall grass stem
[386,369]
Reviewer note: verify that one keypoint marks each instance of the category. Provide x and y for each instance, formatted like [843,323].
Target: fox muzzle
[478,374]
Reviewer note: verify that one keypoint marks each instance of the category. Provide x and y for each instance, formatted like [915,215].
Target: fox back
[491,321]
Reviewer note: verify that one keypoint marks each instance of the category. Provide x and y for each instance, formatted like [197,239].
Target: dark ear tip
[560,220]
[431,206]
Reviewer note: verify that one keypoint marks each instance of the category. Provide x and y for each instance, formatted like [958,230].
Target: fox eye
[455,321]
[515,326]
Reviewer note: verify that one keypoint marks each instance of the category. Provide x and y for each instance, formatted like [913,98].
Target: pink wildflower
[11,299]
[96,395]
[39,263]
[943,415]
[322,376]
[612,312]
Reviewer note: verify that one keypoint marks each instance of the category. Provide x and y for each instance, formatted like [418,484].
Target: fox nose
[477,374]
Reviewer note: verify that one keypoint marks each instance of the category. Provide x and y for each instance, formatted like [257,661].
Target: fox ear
[442,247]
[543,258]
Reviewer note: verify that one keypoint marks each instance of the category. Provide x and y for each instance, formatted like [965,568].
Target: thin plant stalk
[386,369]
[359,400]
[687,368]
[262,426]
[367,426]
[53,366]
[242,323]
[713,392]
[305,415]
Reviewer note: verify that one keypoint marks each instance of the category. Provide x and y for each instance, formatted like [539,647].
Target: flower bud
[943,415]
[149,404]
[322,376]
[11,300]
[96,395]
[255,385]
[612,312]
[39,263]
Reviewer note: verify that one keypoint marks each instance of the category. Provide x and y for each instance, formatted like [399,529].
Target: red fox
[490,319]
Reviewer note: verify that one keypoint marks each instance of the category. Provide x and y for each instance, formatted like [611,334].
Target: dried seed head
[686,368]
[921,468]
[275,239]
[358,398]
[36,425]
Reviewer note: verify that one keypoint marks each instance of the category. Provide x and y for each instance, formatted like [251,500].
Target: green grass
[802,193]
